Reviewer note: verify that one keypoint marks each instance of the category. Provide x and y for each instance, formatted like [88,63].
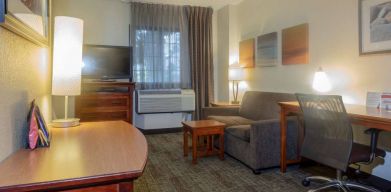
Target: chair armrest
[265,135]
[219,111]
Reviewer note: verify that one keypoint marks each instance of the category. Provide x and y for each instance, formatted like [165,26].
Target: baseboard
[160,131]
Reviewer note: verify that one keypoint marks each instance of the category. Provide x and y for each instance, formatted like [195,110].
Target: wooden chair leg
[194,146]
[222,147]
[185,143]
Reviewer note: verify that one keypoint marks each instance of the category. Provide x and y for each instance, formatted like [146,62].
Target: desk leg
[126,187]
[185,142]
[283,128]
[194,146]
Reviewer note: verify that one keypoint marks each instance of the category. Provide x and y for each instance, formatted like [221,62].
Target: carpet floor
[168,171]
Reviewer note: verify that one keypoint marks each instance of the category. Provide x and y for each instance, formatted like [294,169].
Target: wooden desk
[96,156]
[360,115]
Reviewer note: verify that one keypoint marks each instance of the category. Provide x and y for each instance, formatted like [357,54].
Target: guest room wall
[333,45]
[25,74]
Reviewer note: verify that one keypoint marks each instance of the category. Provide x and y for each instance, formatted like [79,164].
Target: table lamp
[236,75]
[67,63]
[321,82]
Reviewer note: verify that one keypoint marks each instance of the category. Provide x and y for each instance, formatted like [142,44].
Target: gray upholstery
[239,131]
[231,120]
[262,105]
[219,111]
[252,134]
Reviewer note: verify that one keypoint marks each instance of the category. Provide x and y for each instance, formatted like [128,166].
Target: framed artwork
[375,26]
[28,18]
[246,53]
[266,50]
[295,45]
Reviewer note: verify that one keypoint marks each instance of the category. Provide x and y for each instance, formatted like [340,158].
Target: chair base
[336,183]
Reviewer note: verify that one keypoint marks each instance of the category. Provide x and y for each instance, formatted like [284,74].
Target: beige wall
[333,45]
[25,74]
[106,22]
[221,69]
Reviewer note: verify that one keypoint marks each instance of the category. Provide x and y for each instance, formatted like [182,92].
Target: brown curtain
[201,55]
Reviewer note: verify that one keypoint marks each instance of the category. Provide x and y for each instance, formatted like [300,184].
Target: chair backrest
[328,133]
[258,105]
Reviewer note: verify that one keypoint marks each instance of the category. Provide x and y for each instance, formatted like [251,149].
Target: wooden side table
[224,104]
[207,128]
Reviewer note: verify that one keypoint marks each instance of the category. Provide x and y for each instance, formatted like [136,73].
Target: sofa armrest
[219,111]
[265,139]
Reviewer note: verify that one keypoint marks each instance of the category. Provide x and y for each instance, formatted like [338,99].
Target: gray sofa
[252,134]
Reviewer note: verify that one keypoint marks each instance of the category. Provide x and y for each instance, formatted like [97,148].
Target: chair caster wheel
[305,183]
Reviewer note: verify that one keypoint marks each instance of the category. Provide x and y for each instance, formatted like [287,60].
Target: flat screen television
[107,62]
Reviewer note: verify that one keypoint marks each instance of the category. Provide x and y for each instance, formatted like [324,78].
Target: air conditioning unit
[162,109]
[165,101]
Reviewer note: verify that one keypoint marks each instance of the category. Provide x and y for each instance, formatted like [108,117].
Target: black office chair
[329,140]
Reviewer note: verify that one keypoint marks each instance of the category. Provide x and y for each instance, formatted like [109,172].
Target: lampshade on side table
[67,63]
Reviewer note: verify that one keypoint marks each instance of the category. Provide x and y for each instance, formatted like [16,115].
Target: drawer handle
[116,102]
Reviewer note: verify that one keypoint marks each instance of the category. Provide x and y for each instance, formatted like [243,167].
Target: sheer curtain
[159,36]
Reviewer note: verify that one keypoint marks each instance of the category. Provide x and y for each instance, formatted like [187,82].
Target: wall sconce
[236,75]
[321,82]
[67,62]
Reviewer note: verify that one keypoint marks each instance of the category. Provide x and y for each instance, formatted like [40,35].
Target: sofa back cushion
[257,105]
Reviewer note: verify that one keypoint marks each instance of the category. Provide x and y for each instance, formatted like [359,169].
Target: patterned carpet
[167,170]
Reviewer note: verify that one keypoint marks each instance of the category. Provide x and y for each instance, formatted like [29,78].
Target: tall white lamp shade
[67,62]
[321,82]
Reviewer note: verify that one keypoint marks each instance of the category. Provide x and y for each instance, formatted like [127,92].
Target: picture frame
[29,19]
[247,53]
[374,26]
[295,45]
[266,54]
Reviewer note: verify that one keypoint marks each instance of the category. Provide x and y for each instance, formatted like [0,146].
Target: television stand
[102,101]
[104,80]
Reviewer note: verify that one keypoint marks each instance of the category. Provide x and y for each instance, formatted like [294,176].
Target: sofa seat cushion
[240,131]
[231,120]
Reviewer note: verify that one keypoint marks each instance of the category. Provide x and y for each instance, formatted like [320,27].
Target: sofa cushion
[240,131]
[258,105]
[231,120]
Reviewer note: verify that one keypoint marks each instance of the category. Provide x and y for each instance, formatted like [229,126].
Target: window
[157,59]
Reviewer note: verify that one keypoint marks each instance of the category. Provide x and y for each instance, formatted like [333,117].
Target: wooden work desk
[96,156]
[360,115]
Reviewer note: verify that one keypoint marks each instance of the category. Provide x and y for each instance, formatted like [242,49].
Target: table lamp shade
[67,56]
[236,74]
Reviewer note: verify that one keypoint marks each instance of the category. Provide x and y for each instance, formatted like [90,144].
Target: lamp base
[65,123]
[235,102]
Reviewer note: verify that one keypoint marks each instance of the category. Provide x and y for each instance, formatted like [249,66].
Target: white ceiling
[215,4]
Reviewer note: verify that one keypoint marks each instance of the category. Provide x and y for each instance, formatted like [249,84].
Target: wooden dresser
[102,101]
[95,156]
